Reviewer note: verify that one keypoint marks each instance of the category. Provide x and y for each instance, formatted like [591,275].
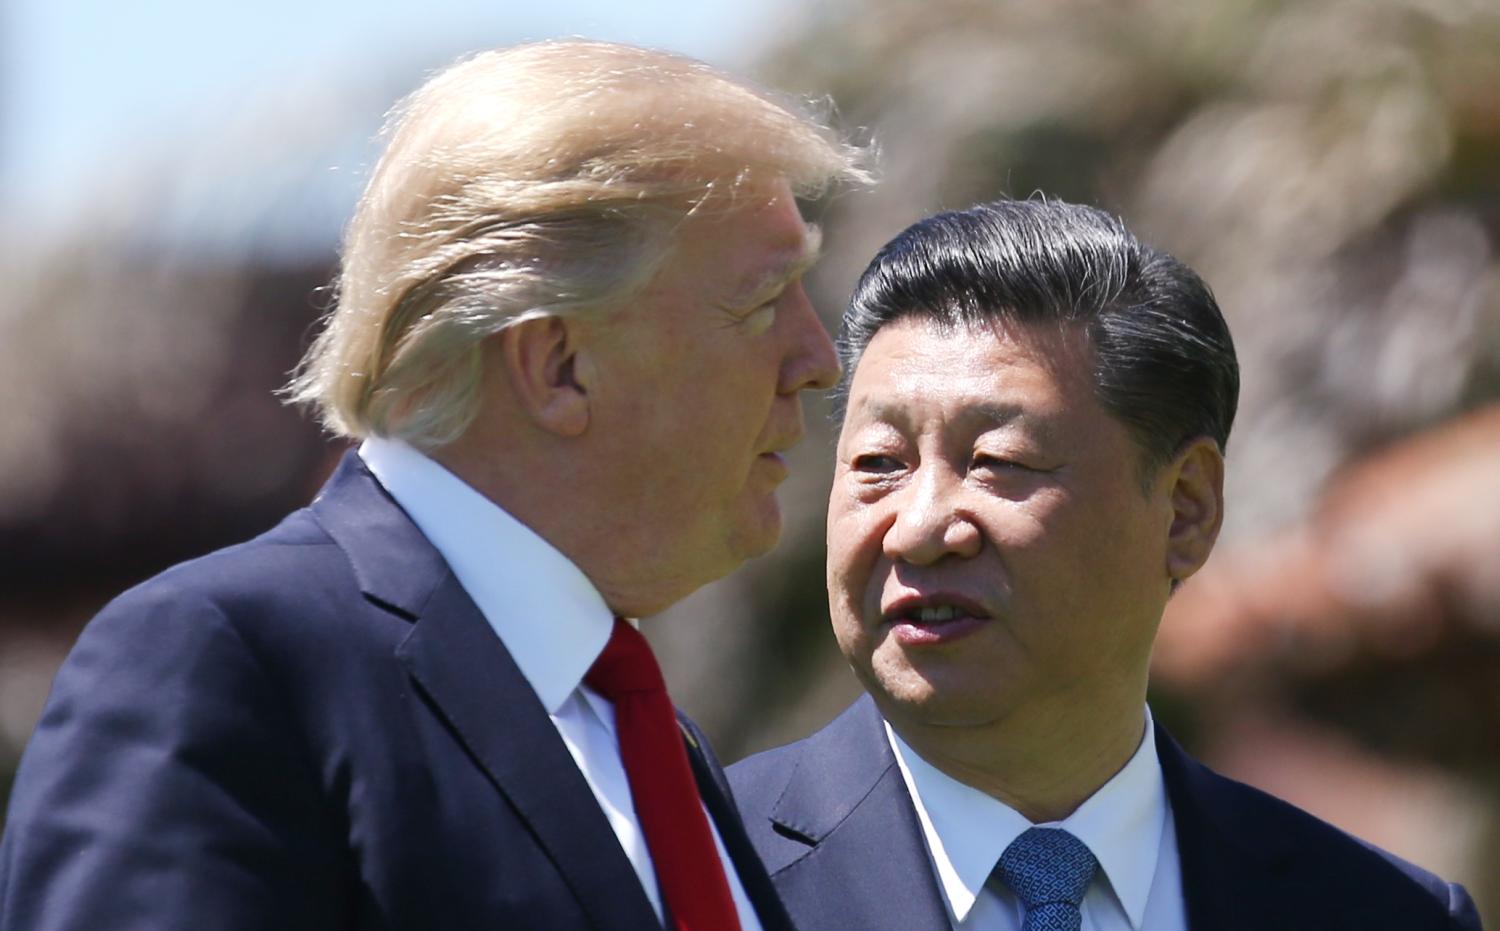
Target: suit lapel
[864,861]
[719,801]
[458,662]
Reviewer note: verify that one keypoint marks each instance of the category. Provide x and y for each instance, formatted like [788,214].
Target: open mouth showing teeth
[935,615]
[953,612]
[916,625]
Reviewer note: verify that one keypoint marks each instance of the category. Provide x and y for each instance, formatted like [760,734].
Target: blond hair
[538,180]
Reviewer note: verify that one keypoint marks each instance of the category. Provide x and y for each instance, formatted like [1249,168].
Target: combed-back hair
[544,179]
[1163,362]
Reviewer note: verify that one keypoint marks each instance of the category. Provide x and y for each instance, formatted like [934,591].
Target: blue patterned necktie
[1049,870]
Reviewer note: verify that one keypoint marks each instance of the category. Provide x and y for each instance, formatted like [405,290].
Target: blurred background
[174,177]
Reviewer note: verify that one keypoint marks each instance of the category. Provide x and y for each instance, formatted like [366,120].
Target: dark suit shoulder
[281,560]
[853,726]
[831,817]
[1228,830]
[802,793]
[169,770]
[760,780]
[290,595]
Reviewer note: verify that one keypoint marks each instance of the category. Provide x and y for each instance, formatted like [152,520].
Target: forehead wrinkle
[999,378]
[971,420]
[895,411]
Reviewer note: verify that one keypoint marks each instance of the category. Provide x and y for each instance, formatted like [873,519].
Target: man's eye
[760,319]
[877,463]
[998,464]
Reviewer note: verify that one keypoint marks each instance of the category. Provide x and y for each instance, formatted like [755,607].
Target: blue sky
[90,87]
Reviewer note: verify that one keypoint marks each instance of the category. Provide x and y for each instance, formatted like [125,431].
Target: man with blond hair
[571,338]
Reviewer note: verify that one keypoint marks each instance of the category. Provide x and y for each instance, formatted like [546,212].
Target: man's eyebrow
[766,283]
[1035,424]
[895,411]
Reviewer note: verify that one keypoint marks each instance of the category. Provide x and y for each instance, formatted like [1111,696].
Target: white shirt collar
[967,830]
[545,610]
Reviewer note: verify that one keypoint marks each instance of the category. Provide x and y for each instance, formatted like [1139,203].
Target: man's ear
[543,364]
[1197,500]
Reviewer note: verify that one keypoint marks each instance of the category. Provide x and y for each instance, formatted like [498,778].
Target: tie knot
[1047,866]
[626,665]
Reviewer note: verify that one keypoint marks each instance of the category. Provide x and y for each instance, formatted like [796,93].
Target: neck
[1042,762]
[614,553]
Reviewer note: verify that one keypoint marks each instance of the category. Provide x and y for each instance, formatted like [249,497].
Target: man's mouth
[934,615]
[933,619]
[936,608]
[774,465]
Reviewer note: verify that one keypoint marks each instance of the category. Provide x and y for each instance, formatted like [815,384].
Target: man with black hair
[1035,411]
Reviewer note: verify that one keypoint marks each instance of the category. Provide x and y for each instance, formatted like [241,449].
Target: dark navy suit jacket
[315,730]
[836,826]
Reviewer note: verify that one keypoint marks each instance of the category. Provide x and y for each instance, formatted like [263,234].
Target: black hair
[1163,361]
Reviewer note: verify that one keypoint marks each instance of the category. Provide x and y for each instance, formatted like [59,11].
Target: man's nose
[930,522]
[811,360]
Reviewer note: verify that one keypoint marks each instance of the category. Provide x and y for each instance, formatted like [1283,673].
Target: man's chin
[760,543]
[758,531]
[907,696]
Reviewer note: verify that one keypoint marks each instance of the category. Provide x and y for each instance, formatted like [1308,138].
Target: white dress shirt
[550,617]
[1127,825]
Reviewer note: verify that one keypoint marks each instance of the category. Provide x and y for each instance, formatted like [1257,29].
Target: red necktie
[688,868]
